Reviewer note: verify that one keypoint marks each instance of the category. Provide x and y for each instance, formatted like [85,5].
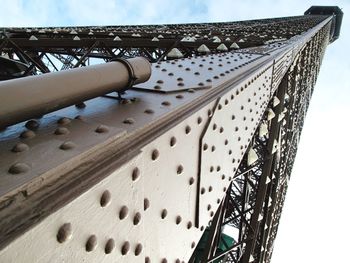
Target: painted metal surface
[139,179]
[46,93]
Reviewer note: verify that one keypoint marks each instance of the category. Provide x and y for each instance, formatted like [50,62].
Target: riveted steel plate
[197,72]
[158,192]
[123,135]
[111,212]
[227,137]
[280,68]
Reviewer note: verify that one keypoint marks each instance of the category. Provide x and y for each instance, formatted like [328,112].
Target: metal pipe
[29,97]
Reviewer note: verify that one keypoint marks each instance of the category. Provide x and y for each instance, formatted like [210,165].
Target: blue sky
[314,226]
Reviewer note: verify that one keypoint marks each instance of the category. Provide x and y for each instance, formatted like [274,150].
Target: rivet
[149,111]
[137,218]
[157,87]
[147,260]
[199,120]
[64,233]
[155,154]
[191,90]
[205,147]
[179,96]
[125,248]
[188,129]
[160,81]
[123,213]
[79,117]
[102,129]
[210,188]
[208,207]
[80,105]
[213,148]
[20,147]
[27,134]
[64,121]
[202,190]
[105,198]
[179,79]
[166,103]
[191,181]
[200,84]
[18,168]
[177,261]
[32,124]
[180,169]
[138,249]
[129,121]
[146,204]
[164,213]
[172,141]
[211,213]
[181,84]
[189,225]
[125,101]
[164,260]
[178,220]
[68,145]
[135,174]
[91,243]
[193,244]
[61,131]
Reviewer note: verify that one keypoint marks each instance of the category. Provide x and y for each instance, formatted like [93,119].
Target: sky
[315,222]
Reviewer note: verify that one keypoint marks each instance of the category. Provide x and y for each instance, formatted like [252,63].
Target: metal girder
[152,41]
[209,141]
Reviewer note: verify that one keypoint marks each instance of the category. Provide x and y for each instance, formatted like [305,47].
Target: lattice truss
[45,50]
[262,72]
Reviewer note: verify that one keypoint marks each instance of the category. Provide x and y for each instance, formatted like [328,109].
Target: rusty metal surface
[136,168]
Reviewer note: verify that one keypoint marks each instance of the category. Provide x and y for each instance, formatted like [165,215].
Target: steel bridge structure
[153,143]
